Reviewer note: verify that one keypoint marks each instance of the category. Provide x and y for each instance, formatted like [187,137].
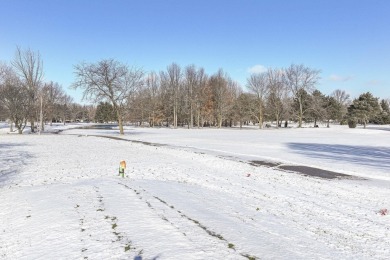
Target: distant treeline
[178,96]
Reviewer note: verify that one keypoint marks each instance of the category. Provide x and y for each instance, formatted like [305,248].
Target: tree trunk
[191,117]
[219,121]
[120,122]
[32,121]
[152,123]
[174,116]
[198,119]
[42,128]
[260,117]
[300,113]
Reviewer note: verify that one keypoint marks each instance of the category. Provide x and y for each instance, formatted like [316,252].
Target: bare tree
[108,80]
[223,89]
[341,96]
[218,85]
[234,92]
[64,106]
[173,80]
[242,107]
[300,79]
[200,96]
[78,113]
[191,83]
[91,112]
[194,81]
[207,105]
[257,83]
[51,94]
[277,94]
[166,97]
[343,99]
[152,87]
[14,98]
[29,67]
[145,105]
[137,106]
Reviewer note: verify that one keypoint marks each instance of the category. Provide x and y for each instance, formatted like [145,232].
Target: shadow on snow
[378,157]
[11,161]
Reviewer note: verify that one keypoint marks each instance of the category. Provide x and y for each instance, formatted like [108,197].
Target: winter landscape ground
[195,193]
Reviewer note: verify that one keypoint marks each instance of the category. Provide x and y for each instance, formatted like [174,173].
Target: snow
[195,197]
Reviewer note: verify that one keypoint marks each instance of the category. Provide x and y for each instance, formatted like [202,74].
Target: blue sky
[349,41]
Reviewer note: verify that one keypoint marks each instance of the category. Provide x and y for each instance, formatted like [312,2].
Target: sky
[348,41]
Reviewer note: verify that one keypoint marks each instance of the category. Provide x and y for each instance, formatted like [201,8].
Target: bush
[343,122]
[352,122]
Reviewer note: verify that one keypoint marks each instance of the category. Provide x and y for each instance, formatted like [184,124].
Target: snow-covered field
[197,197]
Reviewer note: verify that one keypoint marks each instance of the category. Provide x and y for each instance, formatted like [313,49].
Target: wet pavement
[304,170]
[315,172]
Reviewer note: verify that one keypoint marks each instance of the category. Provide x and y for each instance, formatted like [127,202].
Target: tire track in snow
[97,228]
[179,220]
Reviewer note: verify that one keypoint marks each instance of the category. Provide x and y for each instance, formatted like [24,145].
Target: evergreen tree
[317,106]
[384,116]
[385,106]
[364,109]
[334,109]
[105,113]
[301,104]
[241,109]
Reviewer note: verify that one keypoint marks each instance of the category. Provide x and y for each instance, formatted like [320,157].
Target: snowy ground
[197,197]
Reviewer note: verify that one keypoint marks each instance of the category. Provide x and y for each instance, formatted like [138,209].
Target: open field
[195,194]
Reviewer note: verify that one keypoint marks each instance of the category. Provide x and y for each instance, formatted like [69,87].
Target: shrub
[343,122]
[352,122]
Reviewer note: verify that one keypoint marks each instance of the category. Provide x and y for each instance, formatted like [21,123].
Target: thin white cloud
[374,83]
[257,69]
[339,78]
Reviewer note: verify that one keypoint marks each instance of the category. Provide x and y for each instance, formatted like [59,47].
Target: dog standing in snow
[122,167]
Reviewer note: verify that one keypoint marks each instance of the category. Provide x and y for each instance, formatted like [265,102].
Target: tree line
[177,96]
[26,98]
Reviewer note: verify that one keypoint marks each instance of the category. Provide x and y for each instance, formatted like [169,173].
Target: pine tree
[105,113]
[365,108]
